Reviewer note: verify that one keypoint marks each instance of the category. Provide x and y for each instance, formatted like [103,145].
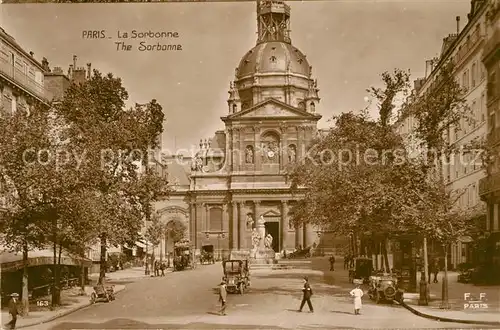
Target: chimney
[89,70]
[74,62]
[70,71]
[458,24]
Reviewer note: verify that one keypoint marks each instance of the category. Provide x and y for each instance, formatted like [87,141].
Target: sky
[348,43]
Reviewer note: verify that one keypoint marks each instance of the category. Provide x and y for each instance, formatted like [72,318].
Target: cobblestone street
[189,300]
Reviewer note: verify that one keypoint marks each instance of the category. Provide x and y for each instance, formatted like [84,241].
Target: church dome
[273,57]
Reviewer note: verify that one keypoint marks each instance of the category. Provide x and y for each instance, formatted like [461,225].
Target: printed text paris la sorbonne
[148,39]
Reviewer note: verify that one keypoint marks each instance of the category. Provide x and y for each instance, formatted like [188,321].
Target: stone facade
[241,173]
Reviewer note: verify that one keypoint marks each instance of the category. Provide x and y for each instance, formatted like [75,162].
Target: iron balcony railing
[19,77]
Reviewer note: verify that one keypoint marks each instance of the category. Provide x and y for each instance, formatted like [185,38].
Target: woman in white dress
[357,293]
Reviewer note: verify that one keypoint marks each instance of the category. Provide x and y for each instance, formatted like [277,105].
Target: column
[198,221]
[242,227]
[284,224]
[300,145]
[299,236]
[192,223]
[256,211]
[305,239]
[284,147]
[225,227]
[204,218]
[234,226]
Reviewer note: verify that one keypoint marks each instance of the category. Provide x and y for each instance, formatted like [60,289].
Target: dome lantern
[273,21]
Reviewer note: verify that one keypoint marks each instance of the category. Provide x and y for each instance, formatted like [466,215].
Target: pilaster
[257,150]
[225,218]
[299,236]
[242,226]
[234,226]
[284,223]
[204,217]
[241,152]
[284,146]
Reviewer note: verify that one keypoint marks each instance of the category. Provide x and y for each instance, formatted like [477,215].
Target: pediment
[271,108]
[271,213]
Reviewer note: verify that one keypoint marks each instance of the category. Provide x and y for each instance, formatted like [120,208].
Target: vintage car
[184,258]
[207,254]
[104,293]
[362,270]
[383,288]
[237,275]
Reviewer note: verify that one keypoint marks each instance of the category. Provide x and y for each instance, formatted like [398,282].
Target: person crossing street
[306,296]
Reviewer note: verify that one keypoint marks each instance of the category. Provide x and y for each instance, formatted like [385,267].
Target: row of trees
[72,173]
[363,180]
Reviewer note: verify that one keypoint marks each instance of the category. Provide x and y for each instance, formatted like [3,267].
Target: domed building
[240,174]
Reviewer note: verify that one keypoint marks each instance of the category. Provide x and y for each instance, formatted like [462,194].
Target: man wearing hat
[222,296]
[13,311]
[306,296]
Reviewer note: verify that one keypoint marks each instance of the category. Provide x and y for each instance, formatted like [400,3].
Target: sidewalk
[125,274]
[456,291]
[71,302]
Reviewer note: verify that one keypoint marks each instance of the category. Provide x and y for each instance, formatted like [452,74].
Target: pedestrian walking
[162,268]
[332,263]
[306,296]
[222,297]
[435,268]
[13,311]
[357,293]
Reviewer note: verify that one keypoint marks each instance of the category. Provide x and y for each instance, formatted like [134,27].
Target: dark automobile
[101,292]
[237,275]
[383,288]
[207,254]
[362,270]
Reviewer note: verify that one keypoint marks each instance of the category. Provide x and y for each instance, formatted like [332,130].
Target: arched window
[235,107]
[313,107]
[215,219]
[302,105]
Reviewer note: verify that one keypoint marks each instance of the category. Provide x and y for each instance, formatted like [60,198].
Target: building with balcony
[464,171]
[490,186]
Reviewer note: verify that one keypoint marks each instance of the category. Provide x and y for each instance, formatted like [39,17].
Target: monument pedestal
[263,256]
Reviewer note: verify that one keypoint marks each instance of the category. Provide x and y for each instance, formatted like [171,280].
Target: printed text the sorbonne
[148,40]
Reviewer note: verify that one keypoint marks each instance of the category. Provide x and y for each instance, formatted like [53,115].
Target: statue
[255,239]
[249,221]
[291,154]
[196,164]
[249,155]
[269,241]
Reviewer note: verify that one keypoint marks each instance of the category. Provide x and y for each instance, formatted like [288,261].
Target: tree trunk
[57,277]
[445,304]
[82,274]
[55,301]
[25,291]
[386,257]
[102,261]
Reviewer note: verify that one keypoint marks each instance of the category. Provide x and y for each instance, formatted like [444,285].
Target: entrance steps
[283,264]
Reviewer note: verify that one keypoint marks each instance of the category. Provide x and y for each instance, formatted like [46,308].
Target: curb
[67,312]
[446,319]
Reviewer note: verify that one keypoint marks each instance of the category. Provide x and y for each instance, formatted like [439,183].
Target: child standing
[357,293]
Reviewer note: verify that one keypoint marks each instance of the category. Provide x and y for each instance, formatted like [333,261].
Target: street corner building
[240,175]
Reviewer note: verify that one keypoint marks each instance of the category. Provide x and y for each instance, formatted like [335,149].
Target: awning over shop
[11,261]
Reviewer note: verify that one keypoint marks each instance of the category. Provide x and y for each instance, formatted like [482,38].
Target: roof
[10,40]
[273,57]
[11,261]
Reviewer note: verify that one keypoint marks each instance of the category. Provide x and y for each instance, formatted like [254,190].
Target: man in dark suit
[306,296]
[13,311]
[332,263]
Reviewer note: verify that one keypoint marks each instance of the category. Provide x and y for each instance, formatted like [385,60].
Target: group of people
[159,268]
[357,293]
